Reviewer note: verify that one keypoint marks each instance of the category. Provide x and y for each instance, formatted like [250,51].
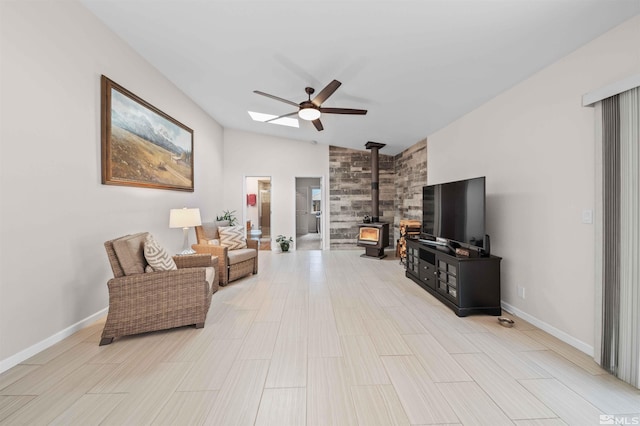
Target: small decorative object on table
[366,219]
[284,242]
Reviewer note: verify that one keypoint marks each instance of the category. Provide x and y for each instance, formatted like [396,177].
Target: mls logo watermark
[610,419]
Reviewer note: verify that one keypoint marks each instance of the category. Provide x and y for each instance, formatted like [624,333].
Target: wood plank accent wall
[401,180]
[411,176]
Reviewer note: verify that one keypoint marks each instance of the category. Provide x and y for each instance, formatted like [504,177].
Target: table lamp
[185,218]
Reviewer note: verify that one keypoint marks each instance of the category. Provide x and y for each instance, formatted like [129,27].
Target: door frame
[324,223]
[245,191]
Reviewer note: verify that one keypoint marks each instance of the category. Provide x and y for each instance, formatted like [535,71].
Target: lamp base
[185,243]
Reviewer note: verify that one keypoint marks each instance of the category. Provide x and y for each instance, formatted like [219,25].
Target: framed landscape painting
[141,145]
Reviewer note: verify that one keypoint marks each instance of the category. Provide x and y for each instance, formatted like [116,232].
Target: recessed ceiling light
[284,121]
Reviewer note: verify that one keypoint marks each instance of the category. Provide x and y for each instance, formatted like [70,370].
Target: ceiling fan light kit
[309,113]
[311,109]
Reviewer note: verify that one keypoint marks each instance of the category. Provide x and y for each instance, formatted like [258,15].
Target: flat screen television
[455,211]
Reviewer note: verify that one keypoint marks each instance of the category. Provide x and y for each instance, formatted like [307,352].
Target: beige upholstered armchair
[237,257]
[143,298]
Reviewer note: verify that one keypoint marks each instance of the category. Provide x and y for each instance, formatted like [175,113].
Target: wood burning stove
[374,236]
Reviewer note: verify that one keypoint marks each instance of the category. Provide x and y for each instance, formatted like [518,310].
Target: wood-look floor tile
[472,405]
[298,298]
[234,325]
[321,310]
[404,320]
[517,366]
[517,339]
[509,394]
[349,322]
[288,367]
[420,398]
[329,399]
[239,397]
[378,406]
[48,375]
[146,401]
[568,405]
[295,322]
[185,344]
[364,364]
[323,339]
[259,342]
[90,409]
[270,310]
[386,338]
[540,422]
[437,362]
[60,348]
[186,408]
[11,404]
[129,373]
[56,399]
[16,373]
[282,407]
[369,310]
[607,393]
[385,296]
[451,340]
[358,308]
[577,357]
[210,371]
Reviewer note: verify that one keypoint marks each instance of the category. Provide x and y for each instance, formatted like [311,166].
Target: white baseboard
[568,339]
[16,359]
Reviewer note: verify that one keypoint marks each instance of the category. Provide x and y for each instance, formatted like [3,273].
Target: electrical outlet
[521,292]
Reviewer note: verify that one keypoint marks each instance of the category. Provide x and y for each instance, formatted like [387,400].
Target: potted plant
[228,215]
[284,242]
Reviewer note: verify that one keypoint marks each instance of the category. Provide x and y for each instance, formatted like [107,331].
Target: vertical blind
[621,236]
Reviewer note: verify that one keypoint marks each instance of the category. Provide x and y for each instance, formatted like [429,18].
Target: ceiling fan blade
[318,124]
[277,98]
[343,111]
[282,116]
[326,92]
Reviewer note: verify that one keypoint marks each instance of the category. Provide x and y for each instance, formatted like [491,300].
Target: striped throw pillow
[157,257]
[232,237]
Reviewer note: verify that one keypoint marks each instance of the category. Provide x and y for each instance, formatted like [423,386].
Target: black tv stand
[467,285]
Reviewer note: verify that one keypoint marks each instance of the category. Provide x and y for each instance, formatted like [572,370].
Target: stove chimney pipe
[375,179]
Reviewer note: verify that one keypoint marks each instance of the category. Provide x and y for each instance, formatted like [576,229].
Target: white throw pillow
[157,257]
[232,237]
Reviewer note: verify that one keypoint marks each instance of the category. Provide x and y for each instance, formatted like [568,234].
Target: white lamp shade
[184,218]
[309,114]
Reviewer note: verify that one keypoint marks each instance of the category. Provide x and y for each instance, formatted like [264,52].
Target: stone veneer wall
[350,193]
[411,176]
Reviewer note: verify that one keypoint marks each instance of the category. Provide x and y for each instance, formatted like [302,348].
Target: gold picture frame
[141,145]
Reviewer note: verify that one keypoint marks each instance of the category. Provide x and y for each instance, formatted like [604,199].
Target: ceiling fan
[312,109]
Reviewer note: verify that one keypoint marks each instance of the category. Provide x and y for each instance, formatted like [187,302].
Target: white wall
[250,154]
[55,213]
[535,145]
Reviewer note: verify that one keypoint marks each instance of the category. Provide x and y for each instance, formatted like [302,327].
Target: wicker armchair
[150,301]
[232,264]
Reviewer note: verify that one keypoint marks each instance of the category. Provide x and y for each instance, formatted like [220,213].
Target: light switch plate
[587,216]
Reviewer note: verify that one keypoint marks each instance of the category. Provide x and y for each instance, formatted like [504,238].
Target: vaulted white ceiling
[416,66]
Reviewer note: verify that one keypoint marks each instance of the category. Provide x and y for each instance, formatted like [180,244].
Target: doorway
[258,210]
[309,211]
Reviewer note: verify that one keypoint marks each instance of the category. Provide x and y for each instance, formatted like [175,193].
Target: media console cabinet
[467,285]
